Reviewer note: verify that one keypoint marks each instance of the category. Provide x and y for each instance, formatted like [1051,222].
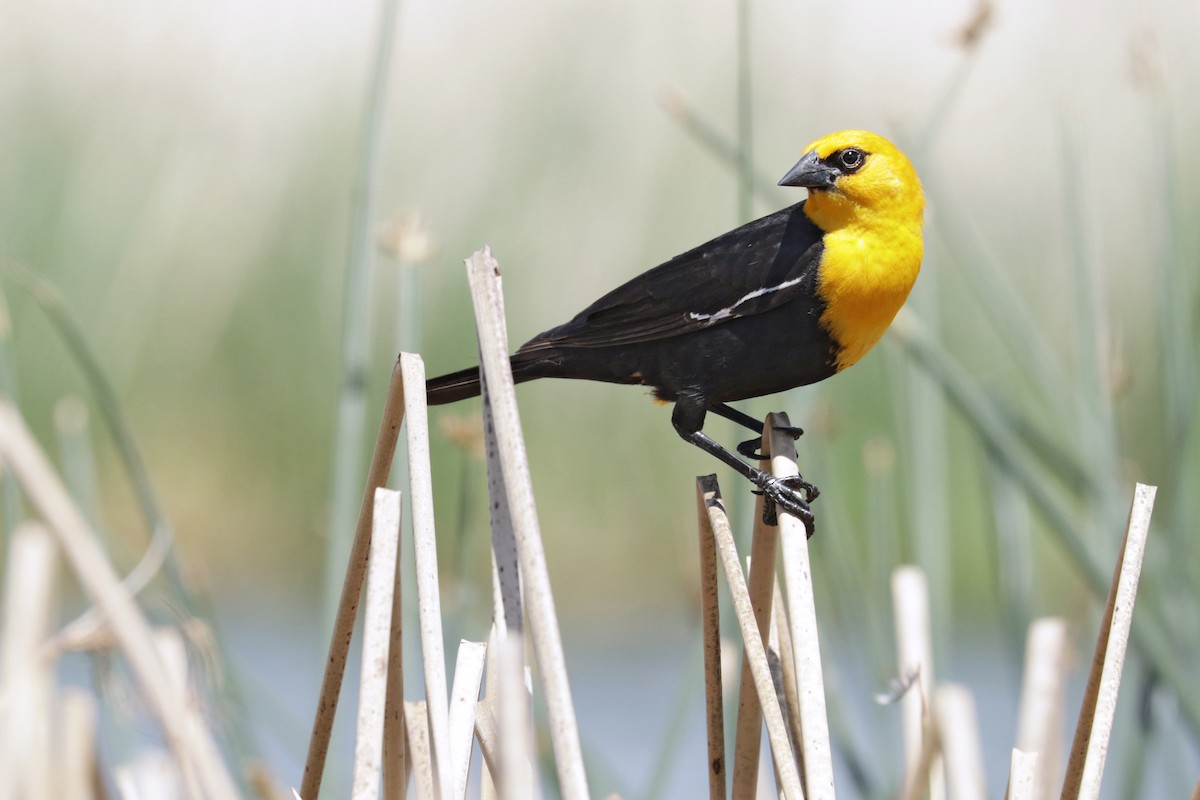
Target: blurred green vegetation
[185,182]
[195,220]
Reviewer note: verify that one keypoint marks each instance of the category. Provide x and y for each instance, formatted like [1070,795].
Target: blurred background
[186,174]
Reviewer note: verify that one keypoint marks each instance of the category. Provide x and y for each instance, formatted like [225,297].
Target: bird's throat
[864,278]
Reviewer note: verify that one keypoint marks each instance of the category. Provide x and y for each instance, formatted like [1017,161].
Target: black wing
[746,271]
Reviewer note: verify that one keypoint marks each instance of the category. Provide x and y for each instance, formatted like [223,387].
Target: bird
[786,300]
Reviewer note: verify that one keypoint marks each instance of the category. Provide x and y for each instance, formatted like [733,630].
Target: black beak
[810,173]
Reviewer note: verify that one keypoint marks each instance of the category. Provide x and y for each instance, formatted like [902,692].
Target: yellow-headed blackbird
[784,301]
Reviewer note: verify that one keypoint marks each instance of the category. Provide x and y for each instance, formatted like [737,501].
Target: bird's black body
[734,318]
[783,301]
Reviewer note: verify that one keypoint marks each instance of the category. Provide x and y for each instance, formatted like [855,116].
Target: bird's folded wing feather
[749,270]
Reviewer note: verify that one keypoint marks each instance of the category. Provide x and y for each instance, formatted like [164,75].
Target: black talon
[811,491]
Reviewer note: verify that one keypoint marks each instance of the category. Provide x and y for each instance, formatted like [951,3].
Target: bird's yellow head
[857,178]
[864,194]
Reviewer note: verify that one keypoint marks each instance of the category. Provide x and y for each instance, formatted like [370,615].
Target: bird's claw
[811,490]
[749,448]
[784,493]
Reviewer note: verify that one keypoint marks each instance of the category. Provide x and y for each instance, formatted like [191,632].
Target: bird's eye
[851,159]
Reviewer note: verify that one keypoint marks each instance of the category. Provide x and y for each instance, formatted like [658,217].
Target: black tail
[465,383]
[455,386]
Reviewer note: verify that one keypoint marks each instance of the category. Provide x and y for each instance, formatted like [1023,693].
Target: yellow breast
[864,278]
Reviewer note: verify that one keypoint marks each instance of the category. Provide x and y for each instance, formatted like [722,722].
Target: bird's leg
[779,493]
[749,448]
[740,417]
[688,418]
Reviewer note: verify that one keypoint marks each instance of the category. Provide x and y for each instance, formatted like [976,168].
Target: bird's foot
[785,494]
[749,448]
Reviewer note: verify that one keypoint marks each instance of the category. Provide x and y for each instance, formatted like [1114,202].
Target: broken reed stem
[77,717]
[468,673]
[1023,782]
[483,273]
[802,616]
[488,735]
[173,652]
[429,606]
[507,611]
[183,729]
[1090,746]
[395,741]
[787,662]
[958,733]
[1043,697]
[420,759]
[917,786]
[761,583]
[914,657]
[489,704]
[710,634]
[26,681]
[376,644]
[756,654]
[356,571]
[508,615]
[514,722]
[775,663]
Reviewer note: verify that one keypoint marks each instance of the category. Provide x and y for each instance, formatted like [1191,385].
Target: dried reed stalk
[802,616]
[507,612]
[152,774]
[356,570]
[914,660]
[508,616]
[174,655]
[761,583]
[183,729]
[958,733]
[917,786]
[26,681]
[1043,697]
[489,708]
[395,740]
[1023,783]
[429,606]
[383,564]
[483,274]
[507,608]
[756,654]
[78,777]
[468,673]
[515,724]
[782,690]
[420,759]
[488,735]
[710,632]
[1090,746]
[787,662]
